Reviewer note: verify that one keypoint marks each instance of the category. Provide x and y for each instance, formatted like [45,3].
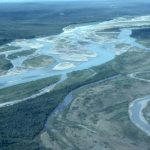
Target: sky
[33,0]
[4,1]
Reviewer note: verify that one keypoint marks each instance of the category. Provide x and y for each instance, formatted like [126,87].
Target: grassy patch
[8,48]
[22,53]
[5,64]
[145,75]
[24,90]
[131,61]
[39,61]
[142,36]
[27,119]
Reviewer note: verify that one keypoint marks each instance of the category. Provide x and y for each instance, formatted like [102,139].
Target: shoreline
[137,107]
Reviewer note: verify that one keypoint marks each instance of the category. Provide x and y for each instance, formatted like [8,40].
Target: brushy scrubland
[21,123]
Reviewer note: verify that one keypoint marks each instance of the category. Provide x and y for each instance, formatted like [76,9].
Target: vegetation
[100,110]
[39,61]
[30,116]
[143,33]
[24,90]
[34,20]
[8,48]
[147,112]
[142,36]
[5,64]
[132,61]
[145,75]
[22,53]
[21,124]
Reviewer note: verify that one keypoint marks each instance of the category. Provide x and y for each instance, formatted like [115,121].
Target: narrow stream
[137,106]
[136,114]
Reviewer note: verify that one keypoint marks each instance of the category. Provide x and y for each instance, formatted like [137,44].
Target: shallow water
[136,115]
[90,42]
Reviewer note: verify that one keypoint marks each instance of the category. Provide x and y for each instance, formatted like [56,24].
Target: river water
[136,114]
[97,47]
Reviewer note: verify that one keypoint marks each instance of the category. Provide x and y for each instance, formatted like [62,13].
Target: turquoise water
[104,55]
[97,47]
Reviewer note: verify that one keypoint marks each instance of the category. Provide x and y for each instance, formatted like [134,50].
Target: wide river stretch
[76,48]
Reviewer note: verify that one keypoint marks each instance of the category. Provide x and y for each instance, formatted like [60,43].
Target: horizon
[28,1]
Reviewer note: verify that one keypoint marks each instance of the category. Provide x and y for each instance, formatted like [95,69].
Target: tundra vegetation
[98,115]
[96,107]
